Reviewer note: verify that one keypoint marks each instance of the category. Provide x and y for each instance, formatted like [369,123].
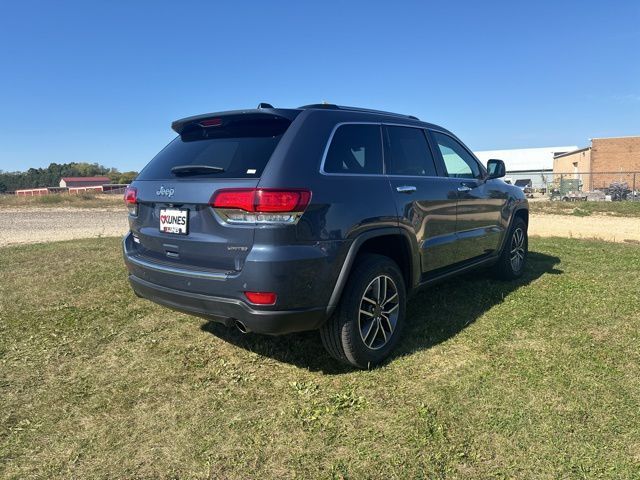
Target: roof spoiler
[263,110]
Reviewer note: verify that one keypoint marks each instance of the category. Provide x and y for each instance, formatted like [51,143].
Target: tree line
[51,175]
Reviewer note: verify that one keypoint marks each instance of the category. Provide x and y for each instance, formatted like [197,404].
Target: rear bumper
[227,311]
[302,281]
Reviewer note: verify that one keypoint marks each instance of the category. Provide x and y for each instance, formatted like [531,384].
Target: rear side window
[409,152]
[239,146]
[355,149]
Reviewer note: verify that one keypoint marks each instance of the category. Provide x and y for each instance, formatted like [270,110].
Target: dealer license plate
[174,220]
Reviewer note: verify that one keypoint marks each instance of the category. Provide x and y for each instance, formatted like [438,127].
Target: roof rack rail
[331,106]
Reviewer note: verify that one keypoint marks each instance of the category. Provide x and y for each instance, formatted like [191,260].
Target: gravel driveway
[602,227]
[35,225]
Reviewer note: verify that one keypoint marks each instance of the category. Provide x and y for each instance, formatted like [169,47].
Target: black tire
[507,268]
[341,334]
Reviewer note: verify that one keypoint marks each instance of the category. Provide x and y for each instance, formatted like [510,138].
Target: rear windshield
[239,147]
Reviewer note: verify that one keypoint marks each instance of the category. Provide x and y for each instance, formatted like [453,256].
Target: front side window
[355,149]
[458,162]
[408,152]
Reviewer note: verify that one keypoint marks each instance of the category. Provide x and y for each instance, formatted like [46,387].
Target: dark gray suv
[320,217]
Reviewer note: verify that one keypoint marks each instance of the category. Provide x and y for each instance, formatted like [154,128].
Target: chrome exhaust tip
[241,326]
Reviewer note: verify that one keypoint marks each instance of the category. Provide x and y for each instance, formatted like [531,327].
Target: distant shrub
[86,196]
[49,199]
[580,212]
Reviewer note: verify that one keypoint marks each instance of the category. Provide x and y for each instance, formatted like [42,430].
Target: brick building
[607,160]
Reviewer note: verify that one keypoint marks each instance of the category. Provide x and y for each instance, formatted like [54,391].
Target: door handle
[406,189]
[464,188]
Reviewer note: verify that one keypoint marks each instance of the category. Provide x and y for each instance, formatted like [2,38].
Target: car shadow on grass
[434,315]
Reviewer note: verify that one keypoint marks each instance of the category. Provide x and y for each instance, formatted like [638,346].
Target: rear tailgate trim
[163,268]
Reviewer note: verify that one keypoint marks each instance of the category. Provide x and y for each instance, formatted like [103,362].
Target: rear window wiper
[195,169]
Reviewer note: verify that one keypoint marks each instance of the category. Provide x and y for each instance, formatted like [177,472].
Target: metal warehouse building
[535,164]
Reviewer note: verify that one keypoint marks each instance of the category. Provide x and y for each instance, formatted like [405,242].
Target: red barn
[70,182]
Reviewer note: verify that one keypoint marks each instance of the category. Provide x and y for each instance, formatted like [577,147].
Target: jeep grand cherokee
[319,217]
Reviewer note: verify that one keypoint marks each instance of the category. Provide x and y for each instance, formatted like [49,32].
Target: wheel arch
[523,213]
[393,243]
[518,212]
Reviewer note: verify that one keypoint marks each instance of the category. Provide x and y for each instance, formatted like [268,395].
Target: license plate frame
[170,221]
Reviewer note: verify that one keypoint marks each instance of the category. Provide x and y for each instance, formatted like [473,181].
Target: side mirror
[496,168]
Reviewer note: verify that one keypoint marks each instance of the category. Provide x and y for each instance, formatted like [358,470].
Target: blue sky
[100,81]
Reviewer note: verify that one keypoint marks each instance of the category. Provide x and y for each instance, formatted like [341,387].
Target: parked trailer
[569,190]
[93,189]
[32,192]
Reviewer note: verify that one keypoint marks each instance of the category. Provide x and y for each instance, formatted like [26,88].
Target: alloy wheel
[378,313]
[517,249]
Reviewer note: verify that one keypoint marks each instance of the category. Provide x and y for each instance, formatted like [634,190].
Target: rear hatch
[175,223]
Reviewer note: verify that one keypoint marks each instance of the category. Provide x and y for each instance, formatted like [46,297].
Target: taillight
[131,199]
[232,198]
[211,122]
[282,200]
[261,298]
[260,205]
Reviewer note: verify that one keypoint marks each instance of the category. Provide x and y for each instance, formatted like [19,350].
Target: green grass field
[534,379]
[83,200]
[584,209]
